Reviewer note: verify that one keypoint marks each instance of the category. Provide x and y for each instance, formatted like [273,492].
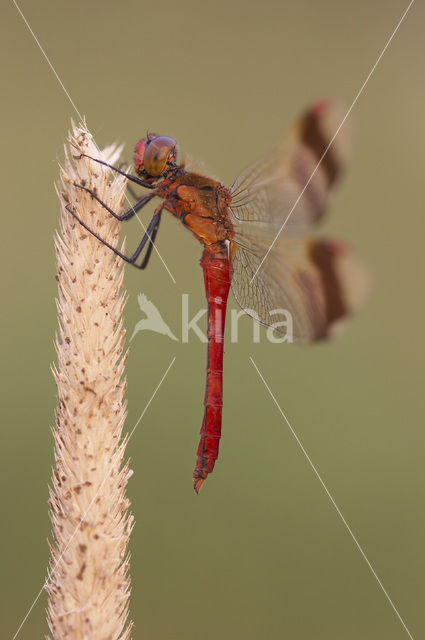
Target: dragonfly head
[154,155]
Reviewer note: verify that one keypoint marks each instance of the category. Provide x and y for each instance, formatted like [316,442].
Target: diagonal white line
[81,118]
[331,499]
[92,502]
[151,398]
[360,91]
[47,59]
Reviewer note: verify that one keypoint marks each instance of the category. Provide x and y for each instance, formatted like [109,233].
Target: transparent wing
[304,289]
[289,185]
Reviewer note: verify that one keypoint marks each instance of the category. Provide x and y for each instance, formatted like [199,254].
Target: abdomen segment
[217,277]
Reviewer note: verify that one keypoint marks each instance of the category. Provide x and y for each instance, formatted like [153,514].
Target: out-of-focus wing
[305,288]
[289,186]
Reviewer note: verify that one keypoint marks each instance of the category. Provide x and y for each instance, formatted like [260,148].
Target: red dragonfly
[272,270]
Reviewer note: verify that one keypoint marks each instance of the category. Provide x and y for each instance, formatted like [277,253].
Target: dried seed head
[88,583]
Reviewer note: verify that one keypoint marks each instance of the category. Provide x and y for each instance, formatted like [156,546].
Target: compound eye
[139,153]
[157,155]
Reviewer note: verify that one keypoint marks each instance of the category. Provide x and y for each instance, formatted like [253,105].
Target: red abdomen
[217,277]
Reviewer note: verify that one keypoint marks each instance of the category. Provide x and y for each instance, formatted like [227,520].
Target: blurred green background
[261,552]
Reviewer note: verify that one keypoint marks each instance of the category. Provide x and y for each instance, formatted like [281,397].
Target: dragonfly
[256,238]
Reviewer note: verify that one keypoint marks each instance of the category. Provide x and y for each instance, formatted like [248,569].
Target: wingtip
[321,106]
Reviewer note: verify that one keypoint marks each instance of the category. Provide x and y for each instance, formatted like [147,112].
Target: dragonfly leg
[157,216]
[149,234]
[129,189]
[127,214]
[132,193]
[142,183]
